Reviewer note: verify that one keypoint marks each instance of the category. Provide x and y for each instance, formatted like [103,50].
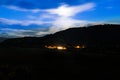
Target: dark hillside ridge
[97,36]
[2,39]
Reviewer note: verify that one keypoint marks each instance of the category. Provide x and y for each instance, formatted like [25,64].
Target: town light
[56,47]
[61,48]
[77,47]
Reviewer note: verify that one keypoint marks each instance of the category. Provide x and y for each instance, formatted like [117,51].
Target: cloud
[63,23]
[9,32]
[10,22]
[18,22]
[22,9]
[65,16]
[68,11]
[16,32]
[59,18]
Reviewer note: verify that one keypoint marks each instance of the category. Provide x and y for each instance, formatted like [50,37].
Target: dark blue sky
[40,17]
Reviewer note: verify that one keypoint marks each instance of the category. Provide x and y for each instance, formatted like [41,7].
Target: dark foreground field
[37,64]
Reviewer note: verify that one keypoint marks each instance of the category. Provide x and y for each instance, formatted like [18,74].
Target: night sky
[20,18]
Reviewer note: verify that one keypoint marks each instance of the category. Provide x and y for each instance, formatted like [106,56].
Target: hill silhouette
[2,39]
[98,61]
[97,36]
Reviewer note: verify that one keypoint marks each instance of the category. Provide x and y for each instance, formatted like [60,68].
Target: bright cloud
[68,11]
[66,15]
[61,18]
[64,18]
[63,23]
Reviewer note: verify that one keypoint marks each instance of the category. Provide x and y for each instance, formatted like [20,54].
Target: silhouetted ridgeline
[98,36]
[2,39]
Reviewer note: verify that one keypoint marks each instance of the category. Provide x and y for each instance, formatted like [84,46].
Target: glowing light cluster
[65,48]
[50,47]
[56,47]
[61,48]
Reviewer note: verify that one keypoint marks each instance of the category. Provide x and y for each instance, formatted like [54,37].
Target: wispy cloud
[22,9]
[16,32]
[61,18]
[9,21]
[65,17]
[23,23]
[68,11]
